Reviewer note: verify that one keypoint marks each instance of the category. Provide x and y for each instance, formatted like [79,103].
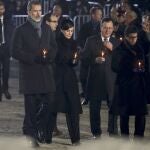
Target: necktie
[2,31]
[105,39]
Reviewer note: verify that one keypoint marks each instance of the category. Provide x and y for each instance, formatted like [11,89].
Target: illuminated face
[132,38]
[35,13]
[2,10]
[53,23]
[107,29]
[68,33]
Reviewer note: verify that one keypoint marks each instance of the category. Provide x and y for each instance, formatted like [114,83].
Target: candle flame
[121,38]
[75,55]
[44,51]
[102,53]
[139,63]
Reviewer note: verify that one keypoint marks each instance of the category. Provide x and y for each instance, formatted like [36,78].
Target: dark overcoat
[67,92]
[131,92]
[34,78]
[8,32]
[101,78]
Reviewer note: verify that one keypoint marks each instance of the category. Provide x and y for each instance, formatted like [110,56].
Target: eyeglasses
[53,21]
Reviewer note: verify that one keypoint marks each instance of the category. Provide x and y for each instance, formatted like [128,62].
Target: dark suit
[88,29]
[5,51]
[36,80]
[100,84]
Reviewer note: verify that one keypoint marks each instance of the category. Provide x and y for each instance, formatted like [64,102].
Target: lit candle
[75,58]
[75,55]
[44,51]
[139,64]
[120,38]
[102,54]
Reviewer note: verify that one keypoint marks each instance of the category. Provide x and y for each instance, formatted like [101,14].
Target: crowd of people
[112,54]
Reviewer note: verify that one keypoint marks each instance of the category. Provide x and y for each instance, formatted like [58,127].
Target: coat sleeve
[52,46]
[121,62]
[17,49]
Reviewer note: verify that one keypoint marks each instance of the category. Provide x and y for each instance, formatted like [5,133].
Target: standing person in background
[88,29]
[67,93]
[6,29]
[36,53]
[100,83]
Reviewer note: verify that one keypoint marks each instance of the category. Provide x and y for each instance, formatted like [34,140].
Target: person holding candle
[67,93]
[100,83]
[129,62]
[35,49]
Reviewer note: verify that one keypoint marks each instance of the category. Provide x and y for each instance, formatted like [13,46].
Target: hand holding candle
[139,66]
[75,58]
[44,53]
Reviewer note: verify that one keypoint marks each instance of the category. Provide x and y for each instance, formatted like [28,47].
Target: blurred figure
[128,61]
[100,83]
[6,29]
[88,29]
[67,93]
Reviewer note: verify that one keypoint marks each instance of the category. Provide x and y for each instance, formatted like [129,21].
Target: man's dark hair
[47,17]
[130,29]
[107,20]
[31,3]
[94,9]
[2,3]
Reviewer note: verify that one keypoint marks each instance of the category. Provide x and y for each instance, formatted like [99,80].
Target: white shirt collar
[105,38]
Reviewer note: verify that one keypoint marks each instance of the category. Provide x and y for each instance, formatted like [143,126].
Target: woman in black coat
[128,61]
[67,92]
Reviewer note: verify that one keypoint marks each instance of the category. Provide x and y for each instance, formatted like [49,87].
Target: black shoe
[7,94]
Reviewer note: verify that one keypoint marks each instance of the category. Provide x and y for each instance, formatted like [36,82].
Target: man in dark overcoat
[88,29]
[35,49]
[129,62]
[100,84]
[6,29]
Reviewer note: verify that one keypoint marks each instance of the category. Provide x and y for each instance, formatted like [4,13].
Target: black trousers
[72,124]
[95,118]
[37,114]
[4,71]
[139,125]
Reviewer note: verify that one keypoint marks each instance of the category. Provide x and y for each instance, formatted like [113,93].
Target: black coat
[67,92]
[34,78]
[88,29]
[131,92]
[101,79]
[8,32]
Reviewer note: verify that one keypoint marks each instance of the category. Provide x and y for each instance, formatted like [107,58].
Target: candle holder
[139,66]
